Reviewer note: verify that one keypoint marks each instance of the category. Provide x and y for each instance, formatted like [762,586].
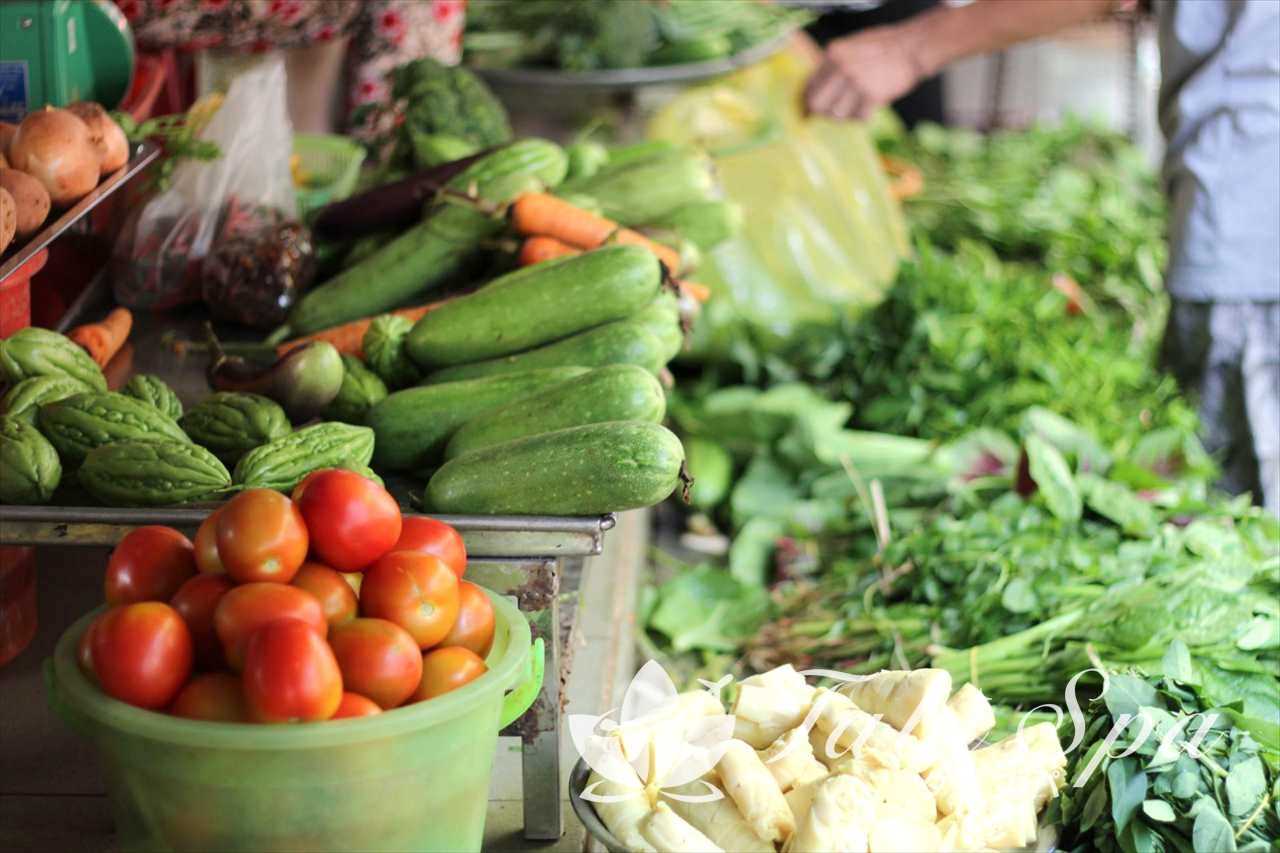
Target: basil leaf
[1019,597]
[1127,695]
[1211,831]
[1128,787]
[1159,810]
[1177,663]
[1245,785]
[1053,477]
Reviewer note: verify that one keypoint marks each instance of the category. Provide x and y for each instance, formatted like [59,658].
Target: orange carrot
[349,337]
[535,250]
[102,340]
[695,291]
[543,215]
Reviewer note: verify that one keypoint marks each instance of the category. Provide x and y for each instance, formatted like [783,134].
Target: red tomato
[447,668]
[473,629]
[206,542]
[337,598]
[142,653]
[419,533]
[149,564]
[244,609]
[355,705]
[290,674]
[378,659]
[196,600]
[217,696]
[352,520]
[416,591]
[261,537]
[84,651]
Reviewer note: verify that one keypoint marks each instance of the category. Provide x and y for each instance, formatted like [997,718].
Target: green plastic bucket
[414,778]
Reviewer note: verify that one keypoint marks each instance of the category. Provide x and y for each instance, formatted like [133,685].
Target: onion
[6,133]
[30,199]
[107,137]
[8,219]
[53,146]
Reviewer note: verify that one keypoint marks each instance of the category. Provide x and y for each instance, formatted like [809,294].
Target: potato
[6,134]
[8,219]
[30,197]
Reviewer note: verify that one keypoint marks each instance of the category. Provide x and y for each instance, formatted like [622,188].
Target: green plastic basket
[333,164]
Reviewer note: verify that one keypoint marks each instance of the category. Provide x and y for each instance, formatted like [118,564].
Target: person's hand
[862,72]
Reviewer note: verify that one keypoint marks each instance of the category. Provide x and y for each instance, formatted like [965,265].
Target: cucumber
[625,155]
[662,318]
[623,342]
[537,305]
[697,49]
[583,470]
[711,467]
[647,189]
[412,426]
[703,223]
[619,392]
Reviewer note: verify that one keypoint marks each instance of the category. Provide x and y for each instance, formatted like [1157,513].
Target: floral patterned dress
[384,33]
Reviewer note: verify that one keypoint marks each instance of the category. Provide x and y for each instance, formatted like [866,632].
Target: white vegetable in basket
[953,778]
[894,832]
[800,797]
[973,711]
[623,816]
[769,704]
[839,820]
[903,698]
[895,790]
[666,831]
[719,820]
[693,704]
[755,792]
[1031,761]
[789,757]
[863,736]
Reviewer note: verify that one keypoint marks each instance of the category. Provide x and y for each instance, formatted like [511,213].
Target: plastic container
[415,778]
[332,164]
[17,601]
[15,295]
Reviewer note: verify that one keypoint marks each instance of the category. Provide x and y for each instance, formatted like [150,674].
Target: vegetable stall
[939,561]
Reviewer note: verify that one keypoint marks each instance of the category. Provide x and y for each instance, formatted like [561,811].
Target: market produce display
[885,763]
[585,36]
[321,606]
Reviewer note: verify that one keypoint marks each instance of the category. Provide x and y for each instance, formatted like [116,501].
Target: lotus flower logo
[655,745]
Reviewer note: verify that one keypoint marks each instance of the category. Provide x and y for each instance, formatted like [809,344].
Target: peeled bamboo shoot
[769,704]
[622,817]
[839,820]
[788,757]
[863,736]
[755,792]
[718,820]
[904,698]
[668,832]
[973,711]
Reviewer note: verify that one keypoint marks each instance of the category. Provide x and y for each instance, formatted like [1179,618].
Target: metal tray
[143,155]
[633,78]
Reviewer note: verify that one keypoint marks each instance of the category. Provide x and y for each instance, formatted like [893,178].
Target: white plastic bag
[159,254]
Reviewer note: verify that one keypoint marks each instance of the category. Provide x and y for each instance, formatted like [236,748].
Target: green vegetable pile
[588,35]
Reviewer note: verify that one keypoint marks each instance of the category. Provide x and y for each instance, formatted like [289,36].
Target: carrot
[543,215]
[102,340]
[349,337]
[535,250]
[695,291]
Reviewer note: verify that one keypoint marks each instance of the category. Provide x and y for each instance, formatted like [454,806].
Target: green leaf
[1177,663]
[1117,504]
[1211,831]
[1263,632]
[1019,597]
[1053,477]
[752,550]
[707,608]
[1067,437]
[765,489]
[1245,785]
[1128,786]
[1127,694]
[1159,810]
[1094,807]
[1186,784]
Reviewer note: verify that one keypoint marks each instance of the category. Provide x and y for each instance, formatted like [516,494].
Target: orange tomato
[261,537]
[245,609]
[196,600]
[290,674]
[206,543]
[447,668]
[355,705]
[378,659]
[420,533]
[142,653]
[215,696]
[352,520]
[473,629]
[84,651]
[337,598]
[149,564]
[416,591]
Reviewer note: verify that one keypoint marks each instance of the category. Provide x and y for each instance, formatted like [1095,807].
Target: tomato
[206,542]
[84,651]
[355,705]
[416,591]
[142,653]
[419,533]
[244,609]
[473,629]
[261,537]
[290,674]
[352,520]
[337,598]
[378,659]
[149,564]
[196,600]
[217,696]
[447,668]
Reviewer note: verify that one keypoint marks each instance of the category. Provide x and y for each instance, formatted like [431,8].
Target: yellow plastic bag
[822,236]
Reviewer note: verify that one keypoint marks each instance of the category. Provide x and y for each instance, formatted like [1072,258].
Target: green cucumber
[619,392]
[537,305]
[412,426]
[703,223]
[584,470]
[662,318]
[623,342]
[697,49]
[711,467]
[647,189]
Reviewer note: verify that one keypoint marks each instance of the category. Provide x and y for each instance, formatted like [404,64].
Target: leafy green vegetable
[708,609]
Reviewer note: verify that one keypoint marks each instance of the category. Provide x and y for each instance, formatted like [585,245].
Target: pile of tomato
[316,606]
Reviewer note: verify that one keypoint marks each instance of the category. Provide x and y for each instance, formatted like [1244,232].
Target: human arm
[867,70]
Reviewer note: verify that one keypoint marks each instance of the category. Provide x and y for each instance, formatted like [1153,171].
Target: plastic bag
[158,259]
[822,236]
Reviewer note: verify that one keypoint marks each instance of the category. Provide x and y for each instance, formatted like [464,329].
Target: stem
[1266,798]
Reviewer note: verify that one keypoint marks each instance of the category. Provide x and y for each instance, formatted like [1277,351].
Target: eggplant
[390,207]
[303,381]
